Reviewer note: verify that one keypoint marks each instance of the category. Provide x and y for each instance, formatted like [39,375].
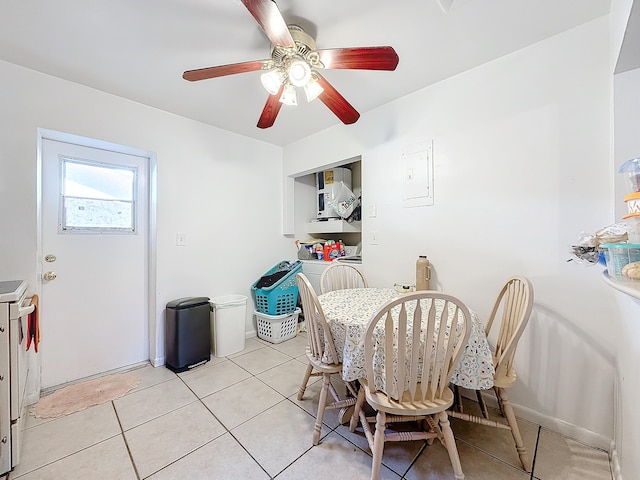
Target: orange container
[633,204]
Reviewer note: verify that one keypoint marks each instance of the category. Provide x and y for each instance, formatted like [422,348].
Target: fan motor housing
[305,44]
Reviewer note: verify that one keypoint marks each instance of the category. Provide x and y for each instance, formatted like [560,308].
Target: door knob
[49,276]
[50,258]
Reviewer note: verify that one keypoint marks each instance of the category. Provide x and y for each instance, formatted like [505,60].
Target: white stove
[14,310]
[12,290]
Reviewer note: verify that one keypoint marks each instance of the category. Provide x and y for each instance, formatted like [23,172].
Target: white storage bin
[277,328]
[228,324]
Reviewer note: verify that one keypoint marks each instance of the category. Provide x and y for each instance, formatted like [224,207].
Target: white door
[94,315]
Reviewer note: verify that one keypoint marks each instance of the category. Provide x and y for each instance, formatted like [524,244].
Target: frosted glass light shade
[271,81]
[288,96]
[299,73]
[313,89]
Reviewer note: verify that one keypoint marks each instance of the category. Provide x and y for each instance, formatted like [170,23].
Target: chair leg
[355,417]
[346,413]
[483,405]
[305,380]
[515,431]
[495,389]
[450,444]
[322,403]
[457,398]
[378,445]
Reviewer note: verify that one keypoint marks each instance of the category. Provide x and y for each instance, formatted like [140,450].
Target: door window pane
[97,197]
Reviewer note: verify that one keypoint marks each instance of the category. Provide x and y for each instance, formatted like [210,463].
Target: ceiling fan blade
[336,102]
[270,19]
[270,110]
[223,70]
[360,58]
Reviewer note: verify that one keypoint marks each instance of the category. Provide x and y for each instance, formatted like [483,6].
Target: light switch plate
[181,239]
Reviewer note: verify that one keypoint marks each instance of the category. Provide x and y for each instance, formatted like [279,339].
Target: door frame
[152,324]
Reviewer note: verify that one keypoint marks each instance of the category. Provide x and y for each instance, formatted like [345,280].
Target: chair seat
[503,377]
[322,366]
[504,381]
[380,401]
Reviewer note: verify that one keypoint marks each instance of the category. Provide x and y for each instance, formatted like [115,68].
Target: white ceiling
[139,49]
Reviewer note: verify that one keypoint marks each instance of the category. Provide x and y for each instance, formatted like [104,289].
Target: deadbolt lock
[50,258]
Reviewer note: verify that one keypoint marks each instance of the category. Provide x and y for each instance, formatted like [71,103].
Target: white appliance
[313,268]
[327,184]
[14,309]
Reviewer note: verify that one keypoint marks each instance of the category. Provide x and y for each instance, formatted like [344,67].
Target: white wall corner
[614,461]
[158,362]
[288,210]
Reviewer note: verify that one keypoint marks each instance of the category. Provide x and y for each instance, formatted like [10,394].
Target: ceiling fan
[295,62]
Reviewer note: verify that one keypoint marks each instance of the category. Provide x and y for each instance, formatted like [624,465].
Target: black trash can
[187,333]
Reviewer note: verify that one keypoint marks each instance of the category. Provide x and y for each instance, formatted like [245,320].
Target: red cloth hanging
[33,325]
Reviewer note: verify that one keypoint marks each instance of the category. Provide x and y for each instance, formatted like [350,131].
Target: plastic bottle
[423,273]
[334,251]
[326,251]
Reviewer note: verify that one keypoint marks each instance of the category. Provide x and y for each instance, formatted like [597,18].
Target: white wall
[619,18]
[521,149]
[212,185]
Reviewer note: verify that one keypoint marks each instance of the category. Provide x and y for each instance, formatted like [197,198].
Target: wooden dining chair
[319,347]
[339,276]
[513,304]
[409,364]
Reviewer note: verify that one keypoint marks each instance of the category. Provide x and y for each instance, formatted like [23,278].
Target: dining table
[348,313]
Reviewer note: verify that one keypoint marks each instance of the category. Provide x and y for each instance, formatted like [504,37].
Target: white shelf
[630,288]
[334,226]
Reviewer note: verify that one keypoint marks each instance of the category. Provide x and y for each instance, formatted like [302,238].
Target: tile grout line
[223,425]
[124,439]
[535,453]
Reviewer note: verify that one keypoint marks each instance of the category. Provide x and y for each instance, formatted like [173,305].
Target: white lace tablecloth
[349,312]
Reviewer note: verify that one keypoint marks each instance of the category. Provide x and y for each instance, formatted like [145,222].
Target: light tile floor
[238,418]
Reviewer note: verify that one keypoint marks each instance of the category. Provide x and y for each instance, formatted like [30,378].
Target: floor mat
[83,395]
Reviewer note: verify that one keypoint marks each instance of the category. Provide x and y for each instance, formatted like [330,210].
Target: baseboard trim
[32,398]
[49,390]
[616,473]
[561,427]
[157,362]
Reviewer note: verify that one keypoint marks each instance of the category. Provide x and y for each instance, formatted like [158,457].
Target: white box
[228,324]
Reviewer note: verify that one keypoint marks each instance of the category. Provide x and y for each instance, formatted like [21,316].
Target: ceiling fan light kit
[295,61]
[299,71]
[289,95]
[313,89]
[271,81]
